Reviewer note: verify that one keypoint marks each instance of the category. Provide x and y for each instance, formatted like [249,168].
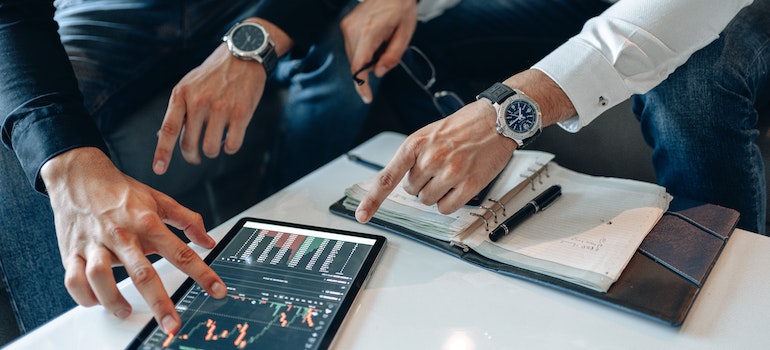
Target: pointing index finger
[168,134]
[387,179]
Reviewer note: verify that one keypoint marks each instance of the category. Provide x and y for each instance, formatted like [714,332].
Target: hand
[448,161]
[374,23]
[104,218]
[222,95]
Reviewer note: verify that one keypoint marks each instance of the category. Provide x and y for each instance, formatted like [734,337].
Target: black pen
[539,203]
[364,162]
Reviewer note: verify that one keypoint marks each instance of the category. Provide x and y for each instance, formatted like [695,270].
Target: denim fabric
[124,53]
[30,264]
[702,121]
[323,115]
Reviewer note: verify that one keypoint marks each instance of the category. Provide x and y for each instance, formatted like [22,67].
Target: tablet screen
[289,287]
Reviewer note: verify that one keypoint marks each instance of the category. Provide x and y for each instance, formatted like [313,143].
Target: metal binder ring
[536,174]
[498,203]
[489,210]
[486,223]
[531,182]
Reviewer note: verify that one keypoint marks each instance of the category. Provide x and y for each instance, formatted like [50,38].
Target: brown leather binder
[663,277]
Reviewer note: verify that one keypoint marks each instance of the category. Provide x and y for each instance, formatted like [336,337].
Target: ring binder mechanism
[460,245]
[593,241]
[482,217]
[498,204]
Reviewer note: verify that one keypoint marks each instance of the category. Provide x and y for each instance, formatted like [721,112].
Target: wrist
[59,169]
[553,102]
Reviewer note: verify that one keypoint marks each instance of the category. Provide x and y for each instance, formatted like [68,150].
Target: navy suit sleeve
[302,20]
[41,108]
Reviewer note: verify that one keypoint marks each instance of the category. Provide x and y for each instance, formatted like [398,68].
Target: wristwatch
[518,115]
[250,41]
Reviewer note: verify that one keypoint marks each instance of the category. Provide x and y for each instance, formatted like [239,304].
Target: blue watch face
[248,38]
[520,116]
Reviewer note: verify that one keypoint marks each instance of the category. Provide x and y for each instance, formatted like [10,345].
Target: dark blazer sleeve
[302,20]
[41,108]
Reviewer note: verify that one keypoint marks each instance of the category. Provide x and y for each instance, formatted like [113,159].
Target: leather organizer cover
[663,277]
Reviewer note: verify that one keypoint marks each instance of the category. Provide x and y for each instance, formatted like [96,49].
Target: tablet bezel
[344,307]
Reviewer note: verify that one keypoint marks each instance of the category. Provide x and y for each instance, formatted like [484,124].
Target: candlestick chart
[283,291]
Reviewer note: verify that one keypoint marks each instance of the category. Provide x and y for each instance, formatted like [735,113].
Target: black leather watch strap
[529,140]
[269,59]
[497,93]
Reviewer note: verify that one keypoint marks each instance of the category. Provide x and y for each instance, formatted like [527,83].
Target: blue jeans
[702,121]
[140,49]
[322,116]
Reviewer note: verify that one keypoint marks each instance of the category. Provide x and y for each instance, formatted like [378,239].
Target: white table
[420,298]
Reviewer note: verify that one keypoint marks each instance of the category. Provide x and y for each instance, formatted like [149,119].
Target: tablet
[289,287]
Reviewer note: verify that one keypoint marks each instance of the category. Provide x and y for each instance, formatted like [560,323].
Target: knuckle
[197,219]
[188,144]
[119,234]
[386,180]
[197,101]
[219,107]
[178,92]
[185,256]
[97,269]
[147,221]
[345,24]
[142,275]
[73,281]
[238,113]
[169,128]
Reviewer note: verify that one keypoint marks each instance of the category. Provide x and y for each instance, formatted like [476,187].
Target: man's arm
[41,108]
[630,48]
[102,216]
[221,95]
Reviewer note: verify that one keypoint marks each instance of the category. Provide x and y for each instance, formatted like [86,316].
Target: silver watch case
[503,128]
[255,55]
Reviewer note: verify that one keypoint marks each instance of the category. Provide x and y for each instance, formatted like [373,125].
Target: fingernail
[168,323]
[361,215]
[160,166]
[219,290]
[122,313]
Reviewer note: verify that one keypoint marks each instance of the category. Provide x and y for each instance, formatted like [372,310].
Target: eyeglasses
[420,69]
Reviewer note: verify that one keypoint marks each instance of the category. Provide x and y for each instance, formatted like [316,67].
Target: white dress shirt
[630,48]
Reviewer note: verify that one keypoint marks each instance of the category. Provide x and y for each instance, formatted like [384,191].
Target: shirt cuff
[41,139]
[588,79]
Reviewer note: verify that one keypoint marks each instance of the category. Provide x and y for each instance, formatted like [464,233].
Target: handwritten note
[590,233]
